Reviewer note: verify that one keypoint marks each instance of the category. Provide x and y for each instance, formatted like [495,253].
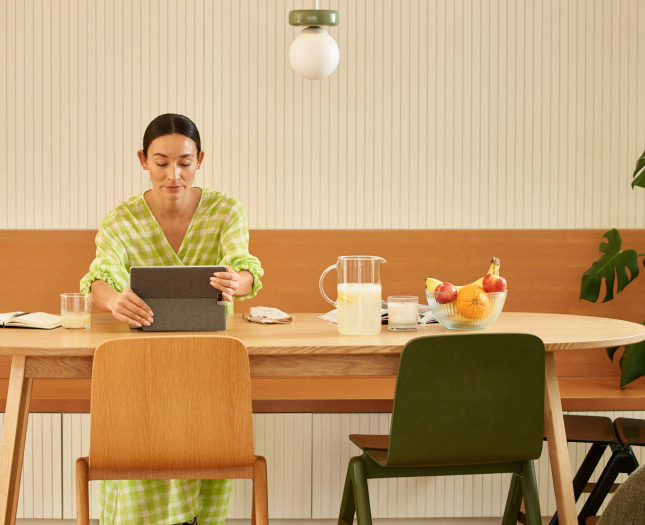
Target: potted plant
[618,268]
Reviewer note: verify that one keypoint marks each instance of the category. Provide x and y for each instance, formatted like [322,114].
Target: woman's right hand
[129,307]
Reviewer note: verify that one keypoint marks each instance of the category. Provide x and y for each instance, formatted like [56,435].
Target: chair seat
[380,456]
[370,442]
[630,431]
[590,429]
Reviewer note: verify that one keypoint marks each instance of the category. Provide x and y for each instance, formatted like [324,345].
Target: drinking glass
[75,310]
[402,312]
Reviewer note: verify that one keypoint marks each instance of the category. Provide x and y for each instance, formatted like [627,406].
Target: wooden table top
[310,335]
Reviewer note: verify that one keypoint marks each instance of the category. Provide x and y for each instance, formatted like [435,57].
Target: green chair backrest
[468,399]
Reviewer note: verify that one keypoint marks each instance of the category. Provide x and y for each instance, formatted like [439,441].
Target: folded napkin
[266,315]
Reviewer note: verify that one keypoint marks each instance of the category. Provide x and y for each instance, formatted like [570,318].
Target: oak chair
[467,404]
[172,408]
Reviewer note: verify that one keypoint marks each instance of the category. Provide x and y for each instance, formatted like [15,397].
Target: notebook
[27,320]
[181,297]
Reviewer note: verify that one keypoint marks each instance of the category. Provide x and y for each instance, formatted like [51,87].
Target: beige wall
[442,114]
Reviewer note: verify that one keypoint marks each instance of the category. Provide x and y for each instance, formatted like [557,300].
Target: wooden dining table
[306,347]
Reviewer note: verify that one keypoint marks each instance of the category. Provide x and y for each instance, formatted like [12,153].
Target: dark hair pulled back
[170,124]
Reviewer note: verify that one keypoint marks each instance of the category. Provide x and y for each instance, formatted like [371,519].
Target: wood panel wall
[543,267]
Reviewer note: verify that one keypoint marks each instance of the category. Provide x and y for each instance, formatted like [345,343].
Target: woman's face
[171,161]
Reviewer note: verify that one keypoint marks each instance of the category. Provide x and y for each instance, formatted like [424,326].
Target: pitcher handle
[320,284]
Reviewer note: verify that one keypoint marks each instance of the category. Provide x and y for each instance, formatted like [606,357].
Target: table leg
[13,439]
[557,441]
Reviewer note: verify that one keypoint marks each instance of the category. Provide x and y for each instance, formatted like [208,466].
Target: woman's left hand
[227,282]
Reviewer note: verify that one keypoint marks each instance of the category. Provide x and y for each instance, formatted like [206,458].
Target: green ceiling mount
[313,17]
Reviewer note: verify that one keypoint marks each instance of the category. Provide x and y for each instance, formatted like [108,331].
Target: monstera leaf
[632,363]
[639,172]
[613,265]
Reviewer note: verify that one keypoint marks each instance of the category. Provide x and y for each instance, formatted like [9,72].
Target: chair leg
[582,477]
[356,470]
[513,501]
[82,492]
[622,461]
[347,505]
[530,493]
[589,464]
[260,504]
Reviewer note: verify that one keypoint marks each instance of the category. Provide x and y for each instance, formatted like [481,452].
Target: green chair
[464,404]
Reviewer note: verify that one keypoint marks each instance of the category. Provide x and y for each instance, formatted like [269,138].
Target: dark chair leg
[530,493]
[347,505]
[587,468]
[361,492]
[513,501]
[584,473]
[622,461]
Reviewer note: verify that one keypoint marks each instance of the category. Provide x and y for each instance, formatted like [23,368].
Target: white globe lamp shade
[314,53]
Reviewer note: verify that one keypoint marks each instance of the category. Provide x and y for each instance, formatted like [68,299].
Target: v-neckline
[190,224]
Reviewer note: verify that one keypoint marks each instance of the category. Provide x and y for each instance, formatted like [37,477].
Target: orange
[472,302]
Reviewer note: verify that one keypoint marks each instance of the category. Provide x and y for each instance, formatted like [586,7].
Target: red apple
[445,293]
[494,283]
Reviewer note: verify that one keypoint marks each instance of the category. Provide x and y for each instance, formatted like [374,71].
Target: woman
[172,224]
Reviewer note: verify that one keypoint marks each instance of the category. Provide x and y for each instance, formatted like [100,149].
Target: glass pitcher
[359,294]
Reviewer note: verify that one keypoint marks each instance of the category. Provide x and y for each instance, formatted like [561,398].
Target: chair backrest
[468,399]
[181,402]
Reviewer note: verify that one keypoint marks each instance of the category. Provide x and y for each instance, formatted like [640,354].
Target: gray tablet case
[181,297]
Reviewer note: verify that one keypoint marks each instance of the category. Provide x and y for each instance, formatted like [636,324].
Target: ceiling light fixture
[314,53]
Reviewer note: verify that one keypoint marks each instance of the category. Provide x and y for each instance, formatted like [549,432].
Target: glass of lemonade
[75,310]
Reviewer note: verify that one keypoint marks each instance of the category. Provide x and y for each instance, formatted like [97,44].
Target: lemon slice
[347,298]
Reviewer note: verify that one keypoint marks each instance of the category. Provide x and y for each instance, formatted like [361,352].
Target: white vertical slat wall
[307,457]
[41,491]
[285,440]
[441,114]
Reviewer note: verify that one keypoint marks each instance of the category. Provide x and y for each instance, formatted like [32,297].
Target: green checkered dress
[130,236]
[164,502]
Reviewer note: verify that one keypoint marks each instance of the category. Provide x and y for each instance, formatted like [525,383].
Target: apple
[494,283]
[445,293]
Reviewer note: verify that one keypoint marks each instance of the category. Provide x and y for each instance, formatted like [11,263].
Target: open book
[27,320]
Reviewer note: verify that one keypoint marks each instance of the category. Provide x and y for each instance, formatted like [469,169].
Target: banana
[495,263]
[494,269]
[431,284]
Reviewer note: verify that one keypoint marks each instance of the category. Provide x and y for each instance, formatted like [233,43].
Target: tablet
[181,297]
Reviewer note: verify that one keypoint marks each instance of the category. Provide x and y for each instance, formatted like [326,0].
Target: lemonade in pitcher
[359,308]
[359,294]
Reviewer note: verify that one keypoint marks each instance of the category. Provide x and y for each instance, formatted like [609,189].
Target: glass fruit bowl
[460,315]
